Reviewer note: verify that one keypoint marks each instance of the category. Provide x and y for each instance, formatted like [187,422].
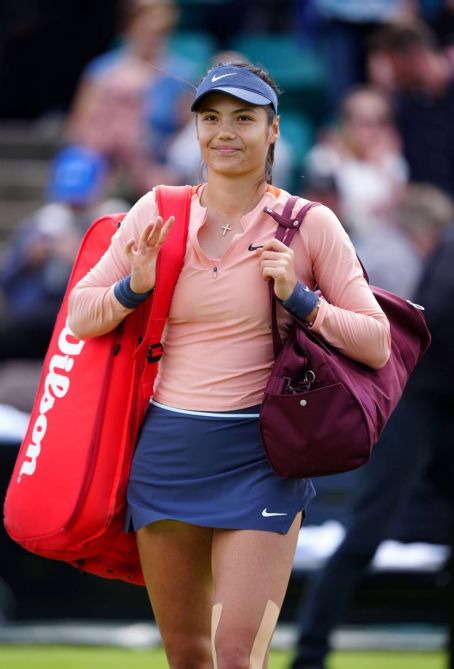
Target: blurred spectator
[361,160]
[419,432]
[131,100]
[343,27]
[79,180]
[35,269]
[405,58]
[390,258]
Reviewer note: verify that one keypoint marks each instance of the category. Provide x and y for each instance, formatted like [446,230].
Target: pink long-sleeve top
[217,342]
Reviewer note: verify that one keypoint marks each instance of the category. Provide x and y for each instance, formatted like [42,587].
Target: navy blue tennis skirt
[209,469]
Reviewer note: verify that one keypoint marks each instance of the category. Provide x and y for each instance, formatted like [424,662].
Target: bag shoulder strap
[171,201]
[288,225]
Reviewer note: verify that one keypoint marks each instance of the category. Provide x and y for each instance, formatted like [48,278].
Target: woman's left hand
[277,262]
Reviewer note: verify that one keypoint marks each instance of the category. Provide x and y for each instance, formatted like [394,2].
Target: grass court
[68,657]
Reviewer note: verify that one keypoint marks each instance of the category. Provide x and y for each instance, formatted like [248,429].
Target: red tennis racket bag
[66,497]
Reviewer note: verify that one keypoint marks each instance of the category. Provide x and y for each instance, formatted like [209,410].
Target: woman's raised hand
[143,254]
[276,262]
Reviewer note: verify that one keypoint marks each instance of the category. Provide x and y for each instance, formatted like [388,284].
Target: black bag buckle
[154,352]
[301,386]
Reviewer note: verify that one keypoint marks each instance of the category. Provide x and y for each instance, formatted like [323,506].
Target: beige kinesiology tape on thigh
[215,618]
[262,639]
[264,634]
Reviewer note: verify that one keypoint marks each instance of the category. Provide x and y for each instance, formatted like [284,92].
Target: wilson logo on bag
[56,385]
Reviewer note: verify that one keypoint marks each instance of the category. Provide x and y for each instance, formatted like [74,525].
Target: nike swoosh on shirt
[267,514]
[221,76]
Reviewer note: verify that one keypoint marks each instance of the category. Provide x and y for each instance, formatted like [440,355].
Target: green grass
[68,657]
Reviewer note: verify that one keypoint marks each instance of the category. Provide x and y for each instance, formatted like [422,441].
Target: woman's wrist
[128,297]
[303,303]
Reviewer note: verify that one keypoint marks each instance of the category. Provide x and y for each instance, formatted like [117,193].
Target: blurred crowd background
[94,111]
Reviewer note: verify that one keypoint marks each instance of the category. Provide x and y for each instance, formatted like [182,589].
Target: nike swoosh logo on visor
[221,76]
[267,514]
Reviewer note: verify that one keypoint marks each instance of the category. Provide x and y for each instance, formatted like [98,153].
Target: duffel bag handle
[288,226]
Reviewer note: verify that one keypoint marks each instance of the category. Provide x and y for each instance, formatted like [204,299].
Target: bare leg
[176,562]
[251,570]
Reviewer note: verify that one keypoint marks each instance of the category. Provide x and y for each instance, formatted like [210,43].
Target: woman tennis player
[216,528]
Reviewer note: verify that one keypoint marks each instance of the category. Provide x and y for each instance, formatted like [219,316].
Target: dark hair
[270,115]
[402,37]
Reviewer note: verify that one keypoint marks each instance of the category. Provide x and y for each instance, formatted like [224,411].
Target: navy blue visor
[238,82]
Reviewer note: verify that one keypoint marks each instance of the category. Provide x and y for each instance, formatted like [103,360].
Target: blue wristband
[301,302]
[126,296]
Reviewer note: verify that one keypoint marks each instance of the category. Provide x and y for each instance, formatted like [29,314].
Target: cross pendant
[226,228]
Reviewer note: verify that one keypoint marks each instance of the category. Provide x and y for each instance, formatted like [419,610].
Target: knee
[232,656]
[239,649]
[244,646]
[193,654]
